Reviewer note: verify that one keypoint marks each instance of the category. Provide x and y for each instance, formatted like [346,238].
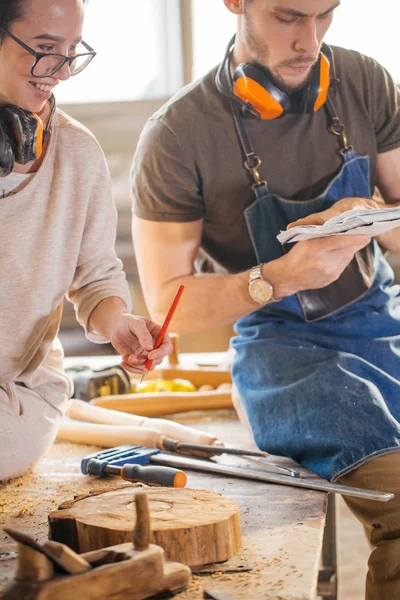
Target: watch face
[261,291]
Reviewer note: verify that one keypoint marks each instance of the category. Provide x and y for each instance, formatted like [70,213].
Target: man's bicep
[388,179]
[165,252]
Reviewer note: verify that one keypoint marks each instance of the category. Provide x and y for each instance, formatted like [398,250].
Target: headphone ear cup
[317,90]
[252,85]
[26,130]
[325,82]
[7,156]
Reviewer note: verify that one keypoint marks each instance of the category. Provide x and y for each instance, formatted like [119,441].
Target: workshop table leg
[328,576]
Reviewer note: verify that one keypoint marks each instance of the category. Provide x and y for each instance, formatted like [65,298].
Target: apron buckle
[252,164]
[340,131]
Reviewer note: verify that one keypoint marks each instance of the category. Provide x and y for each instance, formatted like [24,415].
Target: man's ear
[235,6]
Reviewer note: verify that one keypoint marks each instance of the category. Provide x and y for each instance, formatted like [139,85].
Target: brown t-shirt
[189,164]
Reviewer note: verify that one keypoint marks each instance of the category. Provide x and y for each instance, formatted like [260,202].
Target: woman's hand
[134,338]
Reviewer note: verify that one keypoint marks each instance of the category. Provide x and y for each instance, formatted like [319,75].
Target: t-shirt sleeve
[385,107]
[165,185]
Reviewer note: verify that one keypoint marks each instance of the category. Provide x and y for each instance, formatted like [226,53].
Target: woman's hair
[10,11]
[13,10]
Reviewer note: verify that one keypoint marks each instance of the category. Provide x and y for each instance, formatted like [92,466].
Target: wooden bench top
[282,527]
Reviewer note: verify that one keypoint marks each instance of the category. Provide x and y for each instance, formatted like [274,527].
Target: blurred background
[146,52]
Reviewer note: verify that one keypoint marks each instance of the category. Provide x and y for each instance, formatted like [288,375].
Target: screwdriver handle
[167,476]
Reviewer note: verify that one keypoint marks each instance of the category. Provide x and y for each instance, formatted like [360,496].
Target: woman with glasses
[58,225]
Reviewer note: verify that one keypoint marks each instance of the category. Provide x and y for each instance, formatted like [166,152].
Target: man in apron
[288,130]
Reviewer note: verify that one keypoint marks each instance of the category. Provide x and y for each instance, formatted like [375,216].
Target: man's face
[285,36]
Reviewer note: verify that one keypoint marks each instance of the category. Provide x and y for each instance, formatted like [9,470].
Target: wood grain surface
[195,527]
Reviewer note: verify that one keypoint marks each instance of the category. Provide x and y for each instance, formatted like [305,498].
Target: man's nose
[307,39]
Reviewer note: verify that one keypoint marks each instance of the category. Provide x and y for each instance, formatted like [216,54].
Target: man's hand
[134,338]
[339,207]
[314,264]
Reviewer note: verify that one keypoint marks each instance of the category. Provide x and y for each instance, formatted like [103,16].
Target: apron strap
[252,162]
[337,127]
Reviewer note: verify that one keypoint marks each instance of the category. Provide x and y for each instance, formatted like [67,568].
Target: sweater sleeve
[99,273]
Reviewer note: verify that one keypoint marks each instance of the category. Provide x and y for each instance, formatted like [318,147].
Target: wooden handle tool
[77,409]
[117,435]
[108,436]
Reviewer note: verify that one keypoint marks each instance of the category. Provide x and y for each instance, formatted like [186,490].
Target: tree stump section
[194,527]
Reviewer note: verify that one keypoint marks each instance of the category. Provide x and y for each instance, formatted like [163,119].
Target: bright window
[213,27]
[138,45]
[369,26]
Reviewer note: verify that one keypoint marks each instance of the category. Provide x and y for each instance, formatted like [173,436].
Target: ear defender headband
[258,95]
[21,136]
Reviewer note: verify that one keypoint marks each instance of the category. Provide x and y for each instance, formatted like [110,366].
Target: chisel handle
[166,476]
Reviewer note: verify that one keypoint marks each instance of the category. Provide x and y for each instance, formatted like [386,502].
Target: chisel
[151,475]
[110,435]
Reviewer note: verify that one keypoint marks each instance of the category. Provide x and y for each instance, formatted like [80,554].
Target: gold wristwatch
[260,290]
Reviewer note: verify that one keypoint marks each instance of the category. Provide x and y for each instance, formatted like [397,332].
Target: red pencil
[164,328]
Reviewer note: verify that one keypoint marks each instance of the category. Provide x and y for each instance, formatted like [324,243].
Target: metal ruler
[321,485]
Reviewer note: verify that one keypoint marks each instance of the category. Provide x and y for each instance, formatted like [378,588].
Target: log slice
[194,527]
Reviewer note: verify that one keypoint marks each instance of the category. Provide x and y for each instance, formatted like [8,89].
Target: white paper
[373,221]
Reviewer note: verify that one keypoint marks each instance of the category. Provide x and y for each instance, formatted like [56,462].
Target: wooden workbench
[282,527]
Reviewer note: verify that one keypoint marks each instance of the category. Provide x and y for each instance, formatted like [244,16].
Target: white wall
[369,26]
[138,45]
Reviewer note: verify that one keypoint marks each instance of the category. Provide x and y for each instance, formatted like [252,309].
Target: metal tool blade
[319,485]
[184,447]
[266,465]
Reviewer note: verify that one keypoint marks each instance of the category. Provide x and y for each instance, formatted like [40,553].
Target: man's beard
[260,54]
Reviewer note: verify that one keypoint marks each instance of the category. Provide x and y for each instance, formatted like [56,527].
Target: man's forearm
[213,300]
[103,317]
[210,300]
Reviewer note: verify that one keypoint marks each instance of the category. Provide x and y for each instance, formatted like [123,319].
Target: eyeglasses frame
[38,55]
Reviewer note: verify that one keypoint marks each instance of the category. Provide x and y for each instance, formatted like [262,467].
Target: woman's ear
[235,6]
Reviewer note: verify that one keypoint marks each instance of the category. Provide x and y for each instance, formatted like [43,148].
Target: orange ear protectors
[258,95]
[21,136]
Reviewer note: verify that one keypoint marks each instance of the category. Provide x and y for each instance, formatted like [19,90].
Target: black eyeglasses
[46,64]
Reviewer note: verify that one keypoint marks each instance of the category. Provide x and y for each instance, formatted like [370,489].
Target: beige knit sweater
[57,238]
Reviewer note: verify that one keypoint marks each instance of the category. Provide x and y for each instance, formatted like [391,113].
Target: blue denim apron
[325,392]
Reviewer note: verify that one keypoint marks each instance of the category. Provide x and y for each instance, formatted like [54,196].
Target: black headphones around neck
[258,95]
[21,136]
